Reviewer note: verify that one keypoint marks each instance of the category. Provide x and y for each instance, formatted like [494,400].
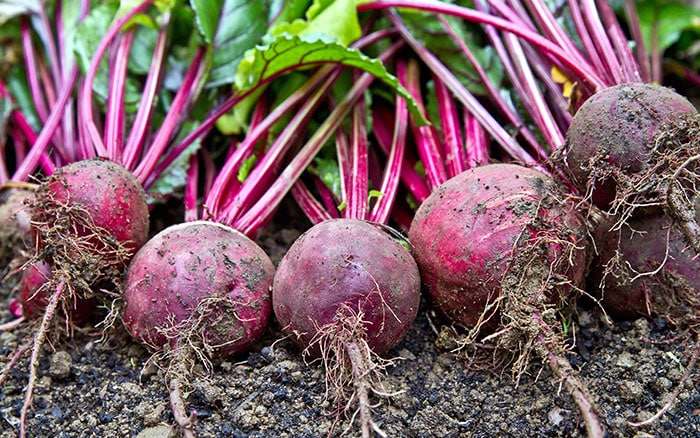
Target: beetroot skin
[33,296]
[501,250]
[469,233]
[110,194]
[644,251]
[32,300]
[615,131]
[199,270]
[347,262]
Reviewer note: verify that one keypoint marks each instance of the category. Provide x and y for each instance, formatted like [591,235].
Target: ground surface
[93,388]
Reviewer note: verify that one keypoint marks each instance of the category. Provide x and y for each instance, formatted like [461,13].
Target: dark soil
[103,388]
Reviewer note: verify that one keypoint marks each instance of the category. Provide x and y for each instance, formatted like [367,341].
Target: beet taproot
[347,292]
[633,149]
[645,269]
[470,232]
[202,280]
[197,292]
[365,270]
[502,251]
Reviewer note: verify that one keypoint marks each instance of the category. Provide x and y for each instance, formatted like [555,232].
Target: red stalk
[308,204]
[382,208]
[50,45]
[455,154]
[260,177]
[191,195]
[114,117]
[492,126]
[182,99]
[645,60]
[494,93]
[583,71]
[89,130]
[342,151]
[137,134]
[260,212]
[477,144]
[414,182]
[357,202]
[429,148]
[28,165]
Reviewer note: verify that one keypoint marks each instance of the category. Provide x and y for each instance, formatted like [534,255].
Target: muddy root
[353,370]
[39,339]
[176,376]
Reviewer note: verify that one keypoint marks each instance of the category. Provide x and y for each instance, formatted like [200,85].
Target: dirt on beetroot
[90,386]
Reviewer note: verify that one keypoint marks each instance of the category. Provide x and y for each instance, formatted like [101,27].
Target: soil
[95,387]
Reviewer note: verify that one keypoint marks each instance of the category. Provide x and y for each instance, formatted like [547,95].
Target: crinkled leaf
[10,49]
[87,38]
[142,50]
[90,32]
[231,27]
[236,120]
[287,10]
[329,20]
[290,52]
[6,109]
[70,14]
[207,13]
[326,169]
[19,89]
[336,20]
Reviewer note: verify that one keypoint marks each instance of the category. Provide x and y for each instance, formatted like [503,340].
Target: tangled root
[534,293]
[670,182]
[195,340]
[353,370]
[80,251]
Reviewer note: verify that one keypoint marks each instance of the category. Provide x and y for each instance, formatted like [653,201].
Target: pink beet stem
[137,134]
[382,208]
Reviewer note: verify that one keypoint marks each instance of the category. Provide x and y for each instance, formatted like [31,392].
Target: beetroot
[470,234]
[99,206]
[199,282]
[646,269]
[501,250]
[346,291]
[197,291]
[365,271]
[89,218]
[633,149]
[618,127]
